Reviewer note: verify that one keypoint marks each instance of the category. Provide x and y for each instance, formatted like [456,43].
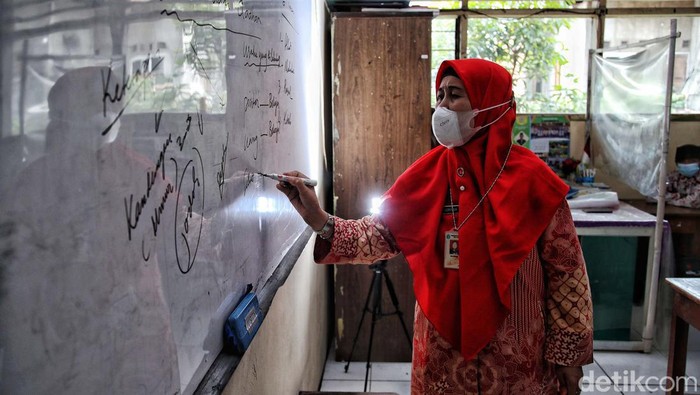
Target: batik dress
[550,322]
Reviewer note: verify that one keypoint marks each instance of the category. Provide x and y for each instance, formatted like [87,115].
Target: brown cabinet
[381,124]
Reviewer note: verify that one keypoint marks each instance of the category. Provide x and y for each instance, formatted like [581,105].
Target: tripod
[373,305]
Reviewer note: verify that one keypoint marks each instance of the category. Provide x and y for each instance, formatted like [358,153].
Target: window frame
[598,14]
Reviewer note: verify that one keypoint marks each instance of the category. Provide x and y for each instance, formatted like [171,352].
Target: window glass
[444,44]
[180,66]
[547,57]
[498,5]
[492,4]
[649,4]
[438,4]
[627,31]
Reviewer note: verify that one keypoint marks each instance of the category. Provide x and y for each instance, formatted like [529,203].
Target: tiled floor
[628,367]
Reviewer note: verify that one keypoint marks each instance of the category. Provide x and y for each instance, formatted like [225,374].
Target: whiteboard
[131,215]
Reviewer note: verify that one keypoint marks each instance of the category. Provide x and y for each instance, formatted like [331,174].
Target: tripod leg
[362,318]
[376,314]
[395,301]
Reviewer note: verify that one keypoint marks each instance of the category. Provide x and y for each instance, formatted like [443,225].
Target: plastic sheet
[600,199]
[628,91]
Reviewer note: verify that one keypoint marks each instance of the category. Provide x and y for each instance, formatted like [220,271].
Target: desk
[685,227]
[686,310]
[626,221]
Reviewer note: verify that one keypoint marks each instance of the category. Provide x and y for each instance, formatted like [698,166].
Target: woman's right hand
[304,199]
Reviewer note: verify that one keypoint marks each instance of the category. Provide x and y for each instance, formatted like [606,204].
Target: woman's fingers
[302,196]
[295,173]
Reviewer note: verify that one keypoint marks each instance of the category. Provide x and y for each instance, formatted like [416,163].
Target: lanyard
[449,190]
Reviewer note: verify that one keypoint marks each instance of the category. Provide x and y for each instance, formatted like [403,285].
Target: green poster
[521,131]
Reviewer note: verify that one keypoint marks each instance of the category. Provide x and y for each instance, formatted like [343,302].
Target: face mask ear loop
[497,105]
[495,120]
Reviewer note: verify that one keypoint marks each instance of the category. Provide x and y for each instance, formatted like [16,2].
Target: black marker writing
[181,140]
[157,119]
[132,218]
[158,211]
[170,13]
[288,67]
[261,67]
[186,266]
[248,141]
[249,103]
[145,255]
[287,89]
[119,91]
[249,15]
[288,21]
[151,174]
[206,75]
[249,178]
[274,130]
[287,42]
[221,173]
[273,103]
[200,123]
[133,213]
[200,126]
[190,200]
[269,58]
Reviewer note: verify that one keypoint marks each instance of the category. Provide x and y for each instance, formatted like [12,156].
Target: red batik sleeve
[365,240]
[569,338]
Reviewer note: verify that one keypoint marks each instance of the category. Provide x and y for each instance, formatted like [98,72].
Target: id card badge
[451,250]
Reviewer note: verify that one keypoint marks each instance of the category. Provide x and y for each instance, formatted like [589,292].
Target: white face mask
[453,129]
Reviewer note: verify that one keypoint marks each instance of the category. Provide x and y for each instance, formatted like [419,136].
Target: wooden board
[381,112]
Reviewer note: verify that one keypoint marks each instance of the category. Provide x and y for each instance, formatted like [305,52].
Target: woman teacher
[509,310]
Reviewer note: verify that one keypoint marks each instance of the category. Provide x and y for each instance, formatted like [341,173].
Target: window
[686,72]
[545,44]
[547,57]
[444,46]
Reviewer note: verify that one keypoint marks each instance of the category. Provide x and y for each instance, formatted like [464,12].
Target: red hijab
[467,306]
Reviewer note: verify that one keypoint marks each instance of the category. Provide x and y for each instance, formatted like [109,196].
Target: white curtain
[628,93]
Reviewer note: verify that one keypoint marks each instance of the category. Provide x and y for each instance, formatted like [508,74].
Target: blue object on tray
[572,193]
[243,324]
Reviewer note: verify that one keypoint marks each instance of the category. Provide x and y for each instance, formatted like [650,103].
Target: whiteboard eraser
[242,324]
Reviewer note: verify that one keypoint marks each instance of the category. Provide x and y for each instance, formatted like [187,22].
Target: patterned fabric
[365,240]
[683,191]
[550,322]
[570,313]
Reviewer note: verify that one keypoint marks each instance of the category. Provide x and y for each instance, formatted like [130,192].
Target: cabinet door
[381,124]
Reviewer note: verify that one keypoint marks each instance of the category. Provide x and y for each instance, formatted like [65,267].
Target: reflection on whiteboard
[131,215]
